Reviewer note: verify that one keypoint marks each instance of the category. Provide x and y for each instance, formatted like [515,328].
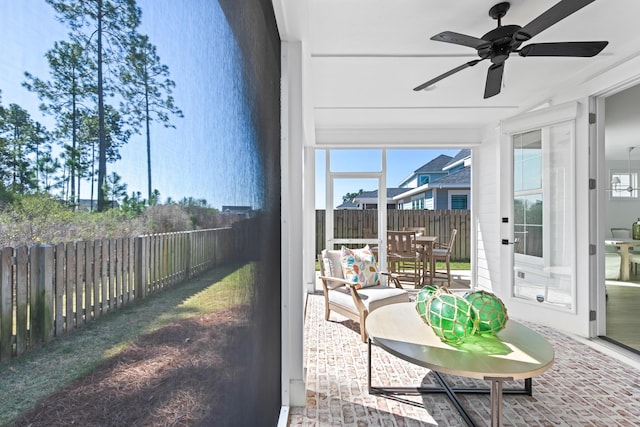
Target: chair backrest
[332,264]
[621,233]
[401,242]
[452,240]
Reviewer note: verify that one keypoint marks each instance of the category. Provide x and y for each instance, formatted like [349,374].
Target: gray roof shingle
[460,177]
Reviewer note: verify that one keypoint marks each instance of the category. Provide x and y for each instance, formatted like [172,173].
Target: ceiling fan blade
[553,15]
[578,49]
[447,74]
[494,80]
[461,39]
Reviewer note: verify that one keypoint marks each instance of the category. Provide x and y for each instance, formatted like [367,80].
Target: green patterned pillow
[359,267]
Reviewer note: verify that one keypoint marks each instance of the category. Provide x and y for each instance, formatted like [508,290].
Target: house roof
[435,165]
[347,205]
[458,158]
[372,196]
[459,178]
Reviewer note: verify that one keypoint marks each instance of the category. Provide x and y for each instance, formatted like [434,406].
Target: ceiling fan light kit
[499,43]
[616,181]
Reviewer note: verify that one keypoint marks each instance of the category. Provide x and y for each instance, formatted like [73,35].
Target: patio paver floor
[585,387]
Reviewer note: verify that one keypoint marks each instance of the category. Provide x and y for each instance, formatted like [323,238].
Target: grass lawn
[27,380]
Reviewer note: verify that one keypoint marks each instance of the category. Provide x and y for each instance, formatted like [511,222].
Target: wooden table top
[426,239]
[515,352]
[628,242]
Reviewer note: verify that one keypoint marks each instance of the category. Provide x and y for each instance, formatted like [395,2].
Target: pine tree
[106,28]
[147,91]
[65,97]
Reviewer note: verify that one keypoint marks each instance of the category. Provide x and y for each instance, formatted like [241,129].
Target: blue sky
[209,154]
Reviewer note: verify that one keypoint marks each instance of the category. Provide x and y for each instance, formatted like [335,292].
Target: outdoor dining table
[428,244]
[624,245]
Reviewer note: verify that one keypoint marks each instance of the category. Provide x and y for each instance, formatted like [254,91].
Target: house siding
[486,227]
[442,199]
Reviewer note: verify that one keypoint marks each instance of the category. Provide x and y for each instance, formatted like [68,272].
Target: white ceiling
[366,56]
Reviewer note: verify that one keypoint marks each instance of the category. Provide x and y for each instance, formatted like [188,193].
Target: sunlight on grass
[26,380]
[232,290]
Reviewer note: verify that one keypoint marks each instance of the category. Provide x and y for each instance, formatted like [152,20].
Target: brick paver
[585,387]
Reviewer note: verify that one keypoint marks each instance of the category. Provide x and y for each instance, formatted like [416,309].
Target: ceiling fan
[500,42]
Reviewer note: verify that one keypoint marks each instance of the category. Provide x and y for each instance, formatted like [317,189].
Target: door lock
[507,242]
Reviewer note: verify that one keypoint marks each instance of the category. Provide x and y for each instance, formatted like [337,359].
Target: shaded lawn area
[175,358]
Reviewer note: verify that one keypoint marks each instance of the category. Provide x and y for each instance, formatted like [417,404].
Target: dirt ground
[186,374]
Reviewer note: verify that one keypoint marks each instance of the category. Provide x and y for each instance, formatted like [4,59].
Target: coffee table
[516,352]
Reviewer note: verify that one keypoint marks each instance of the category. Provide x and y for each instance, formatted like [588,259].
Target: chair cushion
[373,297]
[359,267]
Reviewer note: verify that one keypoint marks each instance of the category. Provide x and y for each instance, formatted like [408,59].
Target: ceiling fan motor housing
[502,43]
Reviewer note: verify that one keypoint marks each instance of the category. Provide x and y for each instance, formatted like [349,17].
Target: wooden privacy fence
[47,291]
[363,223]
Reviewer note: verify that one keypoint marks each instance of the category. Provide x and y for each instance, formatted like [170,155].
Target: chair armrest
[393,277]
[326,279]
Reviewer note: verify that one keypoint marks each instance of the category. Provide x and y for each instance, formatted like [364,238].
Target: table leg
[624,263]
[432,265]
[495,392]
[496,400]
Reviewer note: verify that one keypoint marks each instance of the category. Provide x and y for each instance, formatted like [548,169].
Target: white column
[309,210]
[292,160]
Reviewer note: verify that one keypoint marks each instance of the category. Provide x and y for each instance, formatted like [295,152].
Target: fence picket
[52,290]
[363,223]
[6,303]
[22,289]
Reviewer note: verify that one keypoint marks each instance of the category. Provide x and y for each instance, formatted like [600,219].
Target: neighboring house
[443,183]
[236,210]
[369,199]
[448,188]
[349,204]
[428,172]
[88,204]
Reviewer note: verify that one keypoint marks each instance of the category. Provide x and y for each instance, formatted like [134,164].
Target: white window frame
[460,193]
[619,191]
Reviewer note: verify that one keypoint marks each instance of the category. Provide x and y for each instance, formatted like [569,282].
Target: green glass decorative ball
[492,314]
[423,297]
[451,317]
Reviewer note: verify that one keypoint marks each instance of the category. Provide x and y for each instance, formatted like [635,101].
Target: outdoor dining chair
[443,253]
[404,258]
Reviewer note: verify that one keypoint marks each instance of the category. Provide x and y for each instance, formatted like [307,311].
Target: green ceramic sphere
[423,297]
[492,314]
[451,317]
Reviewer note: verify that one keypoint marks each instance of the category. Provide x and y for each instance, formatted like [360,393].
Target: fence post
[141,264]
[42,301]
[187,255]
[6,303]
[47,296]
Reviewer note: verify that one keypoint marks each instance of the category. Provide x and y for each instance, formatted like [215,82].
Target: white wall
[622,129]
[485,206]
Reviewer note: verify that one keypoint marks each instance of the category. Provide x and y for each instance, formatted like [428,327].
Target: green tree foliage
[65,97]
[147,92]
[114,188]
[350,196]
[106,28]
[20,141]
